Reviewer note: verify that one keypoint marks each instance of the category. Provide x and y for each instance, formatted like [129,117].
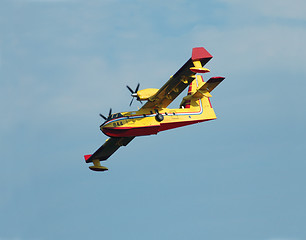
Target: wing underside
[108,148]
[180,80]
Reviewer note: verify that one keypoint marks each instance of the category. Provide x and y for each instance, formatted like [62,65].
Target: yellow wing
[180,80]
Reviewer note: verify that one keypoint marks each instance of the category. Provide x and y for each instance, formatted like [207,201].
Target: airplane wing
[180,80]
[105,151]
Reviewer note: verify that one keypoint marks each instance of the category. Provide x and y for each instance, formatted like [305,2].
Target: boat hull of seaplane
[145,130]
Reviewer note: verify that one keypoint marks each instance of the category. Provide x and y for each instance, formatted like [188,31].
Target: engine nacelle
[145,94]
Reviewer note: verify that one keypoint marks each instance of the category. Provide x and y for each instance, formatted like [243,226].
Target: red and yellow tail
[199,96]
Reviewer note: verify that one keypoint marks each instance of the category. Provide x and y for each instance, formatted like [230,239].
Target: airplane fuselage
[142,122]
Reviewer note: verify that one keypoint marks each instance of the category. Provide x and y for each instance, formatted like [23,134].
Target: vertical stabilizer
[198,97]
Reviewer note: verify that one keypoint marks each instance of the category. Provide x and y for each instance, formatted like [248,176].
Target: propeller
[109,114]
[134,93]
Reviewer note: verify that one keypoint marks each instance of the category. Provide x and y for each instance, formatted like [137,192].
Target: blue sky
[240,177]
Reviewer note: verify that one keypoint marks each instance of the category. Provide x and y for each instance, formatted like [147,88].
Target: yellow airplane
[154,116]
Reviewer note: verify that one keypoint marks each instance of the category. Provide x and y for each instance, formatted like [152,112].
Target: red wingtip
[200,53]
[87,156]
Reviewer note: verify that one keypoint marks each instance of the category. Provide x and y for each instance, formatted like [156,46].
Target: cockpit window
[116,115]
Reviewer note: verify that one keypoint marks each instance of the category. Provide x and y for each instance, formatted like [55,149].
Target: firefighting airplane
[154,116]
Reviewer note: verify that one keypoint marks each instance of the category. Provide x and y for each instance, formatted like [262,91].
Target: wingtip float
[154,116]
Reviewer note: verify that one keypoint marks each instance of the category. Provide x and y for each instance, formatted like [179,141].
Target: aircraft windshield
[116,115]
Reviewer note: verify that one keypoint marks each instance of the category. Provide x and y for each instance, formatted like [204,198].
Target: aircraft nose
[102,126]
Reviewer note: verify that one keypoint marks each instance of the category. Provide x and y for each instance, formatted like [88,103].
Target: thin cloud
[283,239]
[286,9]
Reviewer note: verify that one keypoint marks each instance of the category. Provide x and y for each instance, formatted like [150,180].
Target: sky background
[240,177]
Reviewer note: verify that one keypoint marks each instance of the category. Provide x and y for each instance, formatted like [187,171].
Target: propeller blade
[134,93]
[137,88]
[130,89]
[131,101]
[109,114]
[102,116]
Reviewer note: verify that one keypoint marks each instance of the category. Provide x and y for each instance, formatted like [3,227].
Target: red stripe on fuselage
[171,125]
[130,132]
[209,102]
[149,130]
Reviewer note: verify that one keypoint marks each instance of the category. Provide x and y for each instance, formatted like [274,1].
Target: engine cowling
[145,94]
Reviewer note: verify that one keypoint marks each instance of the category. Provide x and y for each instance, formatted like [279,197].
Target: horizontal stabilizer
[212,83]
[203,89]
